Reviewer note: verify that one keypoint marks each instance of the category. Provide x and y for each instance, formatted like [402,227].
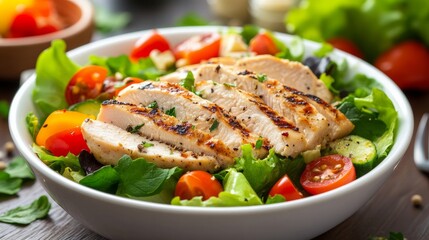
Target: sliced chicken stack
[262,101]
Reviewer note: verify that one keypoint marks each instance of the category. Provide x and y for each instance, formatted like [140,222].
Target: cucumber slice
[91,107]
[361,151]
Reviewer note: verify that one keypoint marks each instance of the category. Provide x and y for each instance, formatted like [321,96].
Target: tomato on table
[327,173]
[147,44]
[286,188]
[59,121]
[263,44]
[407,64]
[346,45]
[69,140]
[197,183]
[87,83]
[198,48]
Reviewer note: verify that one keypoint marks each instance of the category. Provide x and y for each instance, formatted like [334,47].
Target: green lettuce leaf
[262,174]
[143,69]
[58,164]
[374,117]
[53,72]
[237,192]
[32,123]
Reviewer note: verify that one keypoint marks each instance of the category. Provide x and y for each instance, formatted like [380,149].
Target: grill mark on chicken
[187,105]
[290,73]
[164,128]
[109,143]
[285,137]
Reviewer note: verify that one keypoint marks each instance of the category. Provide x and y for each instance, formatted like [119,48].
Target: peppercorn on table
[401,205]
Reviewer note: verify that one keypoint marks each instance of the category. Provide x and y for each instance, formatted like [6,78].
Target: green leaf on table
[4,109]
[107,21]
[13,176]
[27,214]
[8,185]
[18,168]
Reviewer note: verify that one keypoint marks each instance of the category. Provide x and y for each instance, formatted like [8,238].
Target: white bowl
[121,218]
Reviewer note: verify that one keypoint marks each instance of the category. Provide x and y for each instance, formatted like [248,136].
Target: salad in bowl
[209,118]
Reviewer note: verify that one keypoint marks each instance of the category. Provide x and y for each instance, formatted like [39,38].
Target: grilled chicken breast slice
[154,124]
[289,73]
[109,143]
[304,115]
[285,137]
[203,114]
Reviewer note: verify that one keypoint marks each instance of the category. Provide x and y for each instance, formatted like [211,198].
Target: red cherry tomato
[70,140]
[48,28]
[197,183]
[286,188]
[127,82]
[23,25]
[263,44]
[87,83]
[346,46]
[198,48]
[407,64]
[327,173]
[147,44]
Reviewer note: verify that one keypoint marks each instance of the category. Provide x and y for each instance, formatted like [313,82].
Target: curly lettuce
[53,72]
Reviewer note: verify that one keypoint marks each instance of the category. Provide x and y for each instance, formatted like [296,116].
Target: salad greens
[373,25]
[250,179]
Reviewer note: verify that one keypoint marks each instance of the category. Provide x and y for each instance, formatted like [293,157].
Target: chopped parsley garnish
[230,84]
[146,144]
[188,82]
[214,126]
[258,143]
[261,77]
[171,112]
[134,129]
[153,105]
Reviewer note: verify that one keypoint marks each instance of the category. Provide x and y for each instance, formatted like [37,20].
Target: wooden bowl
[19,54]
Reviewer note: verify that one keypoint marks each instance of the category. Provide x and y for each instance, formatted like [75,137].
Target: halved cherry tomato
[286,188]
[58,121]
[197,183]
[263,44]
[407,64]
[346,46]
[126,82]
[48,28]
[198,48]
[87,83]
[69,140]
[23,25]
[327,173]
[147,44]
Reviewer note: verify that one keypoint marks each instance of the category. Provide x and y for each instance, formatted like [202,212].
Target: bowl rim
[404,129]
[86,19]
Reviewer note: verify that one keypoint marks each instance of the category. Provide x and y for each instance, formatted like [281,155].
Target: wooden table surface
[390,210]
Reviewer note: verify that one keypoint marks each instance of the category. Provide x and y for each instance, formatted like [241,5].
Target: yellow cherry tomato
[58,121]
